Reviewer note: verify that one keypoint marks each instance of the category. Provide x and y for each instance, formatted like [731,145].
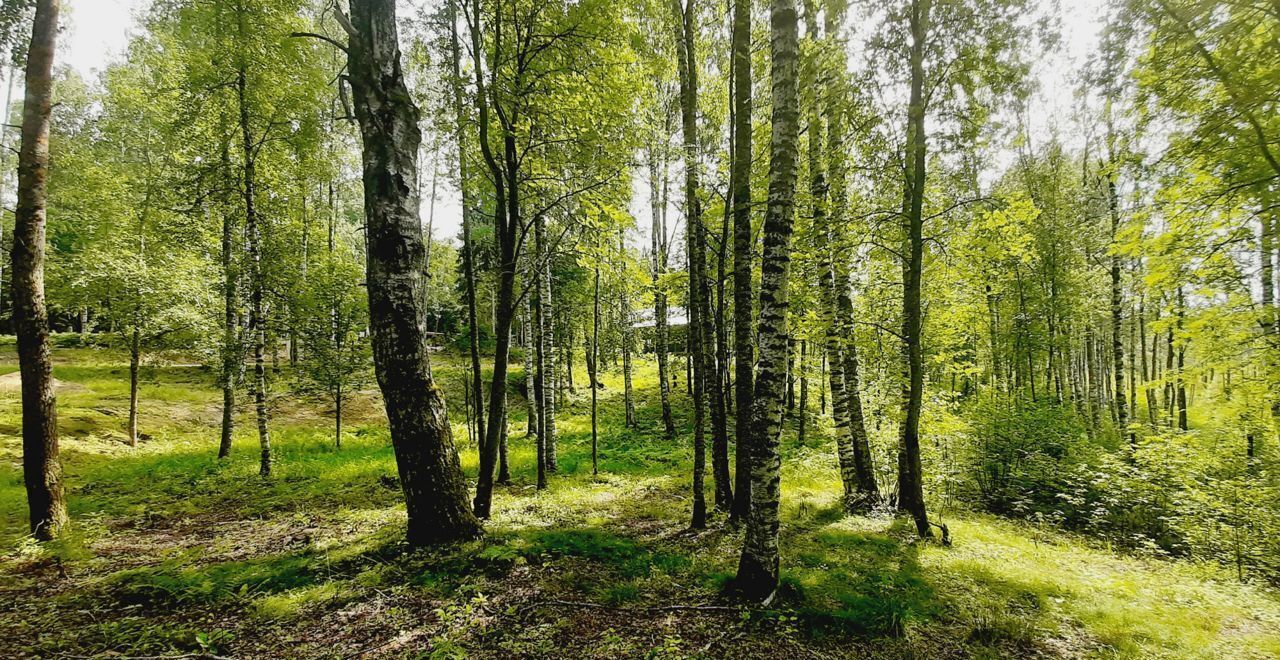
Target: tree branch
[321,37]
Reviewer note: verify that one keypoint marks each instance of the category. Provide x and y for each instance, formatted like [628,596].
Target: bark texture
[743,255]
[257,310]
[758,565]
[430,474]
[231,355]
[41,469]
[687,65]
[468,250]
[910,479]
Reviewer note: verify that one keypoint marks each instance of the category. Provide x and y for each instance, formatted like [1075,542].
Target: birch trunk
[434,486]
[758,565]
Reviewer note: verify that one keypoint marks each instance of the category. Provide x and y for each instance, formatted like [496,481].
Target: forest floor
[176,553]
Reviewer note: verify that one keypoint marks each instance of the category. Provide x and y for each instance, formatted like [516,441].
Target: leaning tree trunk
[865,492]
[758,565]
[868,493]
[41,470]
[434,486]
[715,359]
[697,377]
[743,255]
[910,479]
[505,178]
[818,196]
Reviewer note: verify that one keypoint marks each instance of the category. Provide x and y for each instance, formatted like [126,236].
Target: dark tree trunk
[1117,340]
[135,359]
[1168,400]
[337,417]
[697,380]
[1182,362]
[468,250]
[721,406]
[504,464]
[507,230]
[434,486]
[1095,382]
[714,355]
[822,382]
[41,469]
[910,478]
[1142,351]
[595,385]
[758,565]
[495,428]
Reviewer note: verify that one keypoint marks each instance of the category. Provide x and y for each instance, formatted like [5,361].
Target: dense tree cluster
[832,221]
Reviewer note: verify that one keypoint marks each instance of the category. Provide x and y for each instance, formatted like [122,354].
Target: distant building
[677,317]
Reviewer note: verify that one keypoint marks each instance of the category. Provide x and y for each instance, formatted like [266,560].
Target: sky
[96,31]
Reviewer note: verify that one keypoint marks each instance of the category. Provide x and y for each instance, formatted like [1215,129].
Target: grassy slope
[174,551]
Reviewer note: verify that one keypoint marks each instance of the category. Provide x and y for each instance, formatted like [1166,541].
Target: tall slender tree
[41,468]
[910,478]
[758,565]
[686,56]
[468,248]
[743,254]
[658,266]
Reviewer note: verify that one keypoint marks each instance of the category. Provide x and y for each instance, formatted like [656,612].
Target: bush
[1178,493]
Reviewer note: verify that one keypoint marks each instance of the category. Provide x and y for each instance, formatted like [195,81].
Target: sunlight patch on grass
[1133,605]
[291,603]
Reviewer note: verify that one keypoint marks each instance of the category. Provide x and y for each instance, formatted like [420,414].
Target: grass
[173,551]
